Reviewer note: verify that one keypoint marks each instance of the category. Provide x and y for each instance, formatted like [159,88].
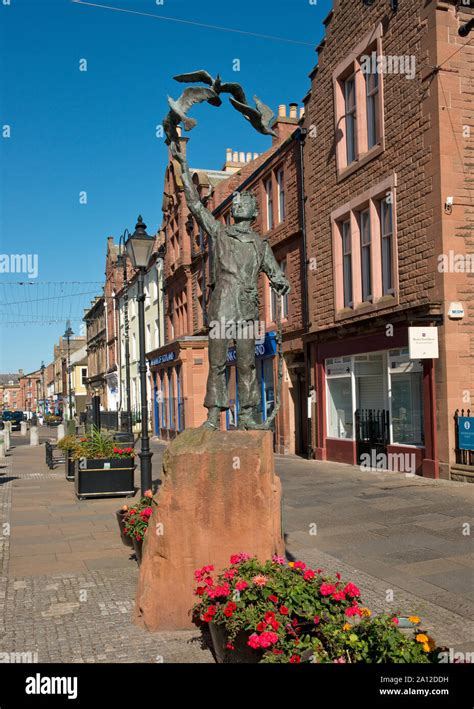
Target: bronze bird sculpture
[260,117]
[179,109]
[216,85]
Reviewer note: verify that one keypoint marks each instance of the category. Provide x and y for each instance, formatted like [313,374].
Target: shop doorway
[372,432]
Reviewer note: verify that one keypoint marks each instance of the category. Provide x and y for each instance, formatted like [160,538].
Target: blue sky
[94,130]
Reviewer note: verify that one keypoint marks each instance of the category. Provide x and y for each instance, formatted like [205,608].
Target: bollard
[34,438]
[2,448]
[23,428]
[60,431]
[6,438]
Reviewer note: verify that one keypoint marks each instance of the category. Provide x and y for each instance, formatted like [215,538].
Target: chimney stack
[282,110]
[293,110]
[301,111]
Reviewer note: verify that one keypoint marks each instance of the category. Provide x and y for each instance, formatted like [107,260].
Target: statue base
[220,496]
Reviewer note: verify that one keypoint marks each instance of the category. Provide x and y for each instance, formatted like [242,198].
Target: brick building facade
[384,152]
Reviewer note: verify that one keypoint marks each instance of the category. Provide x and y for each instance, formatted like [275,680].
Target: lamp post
[123,258]
[68,334]
[139,247]
[42,368]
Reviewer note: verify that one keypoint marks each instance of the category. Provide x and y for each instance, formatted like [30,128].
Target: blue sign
[466,433]
[267,348]
[162,359]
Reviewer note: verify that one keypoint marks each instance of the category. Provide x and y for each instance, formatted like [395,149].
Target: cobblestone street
[67,585]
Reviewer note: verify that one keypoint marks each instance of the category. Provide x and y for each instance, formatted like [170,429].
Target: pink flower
[316,619]
[308,575]
[340,661]
[339,596]
[254,641]
[238,558]
[241,585]
[268,638]
[147,493]
[338,576]
[260,580]
[300,565]
[273,599]
[278,559]
[395,620]
[352,590]
[326,589]
[230,574]
[352,611]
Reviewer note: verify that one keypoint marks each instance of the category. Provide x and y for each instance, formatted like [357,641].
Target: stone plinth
[220,496]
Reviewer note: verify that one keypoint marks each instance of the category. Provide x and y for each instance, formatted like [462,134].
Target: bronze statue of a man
[238,257]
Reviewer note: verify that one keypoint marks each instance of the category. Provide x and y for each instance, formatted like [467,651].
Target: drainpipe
[301,137]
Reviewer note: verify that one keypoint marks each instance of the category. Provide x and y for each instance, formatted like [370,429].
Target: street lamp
[122,258]
[42,368]
[68,334]
[139,247]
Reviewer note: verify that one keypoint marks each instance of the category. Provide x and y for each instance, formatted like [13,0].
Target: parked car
[15,417]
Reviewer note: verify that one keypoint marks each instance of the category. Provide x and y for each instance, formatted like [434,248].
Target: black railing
[53,455]
[463,455]
[372,425]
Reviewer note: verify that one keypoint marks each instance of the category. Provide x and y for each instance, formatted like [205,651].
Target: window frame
[280,178]
[268,184]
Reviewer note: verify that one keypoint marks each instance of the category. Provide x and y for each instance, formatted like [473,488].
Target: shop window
[407,408]
[268,399]
[171,399]
[340,409]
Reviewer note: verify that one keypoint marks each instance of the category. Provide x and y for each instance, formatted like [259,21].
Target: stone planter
[126,540]
[104,477]
[242,653]
[138,548]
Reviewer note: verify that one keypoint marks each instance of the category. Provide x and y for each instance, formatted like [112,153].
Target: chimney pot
[228,155]
[179,131]
[249,157]
[301,111]
[235,156]
[282,110]
[255,156]
[241,157]
[293,110]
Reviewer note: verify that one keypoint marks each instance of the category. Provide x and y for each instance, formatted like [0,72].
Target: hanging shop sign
[423,342]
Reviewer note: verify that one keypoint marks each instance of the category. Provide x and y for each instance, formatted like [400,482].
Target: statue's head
[244,206]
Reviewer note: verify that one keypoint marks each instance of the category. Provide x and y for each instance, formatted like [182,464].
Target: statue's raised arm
[202,215]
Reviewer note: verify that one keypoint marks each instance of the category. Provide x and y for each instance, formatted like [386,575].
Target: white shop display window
[376,381]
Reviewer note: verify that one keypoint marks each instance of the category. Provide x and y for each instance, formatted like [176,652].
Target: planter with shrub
[102,468]
[134,524]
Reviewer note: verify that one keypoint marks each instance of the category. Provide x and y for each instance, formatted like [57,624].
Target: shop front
[265,360]
[376,406]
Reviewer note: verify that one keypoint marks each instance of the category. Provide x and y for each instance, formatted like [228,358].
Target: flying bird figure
[260,117]
[179,109]
[216,85]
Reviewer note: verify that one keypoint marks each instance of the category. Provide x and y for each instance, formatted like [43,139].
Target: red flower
[115,450]
[241,585]
[270,615]
[275,624]
[395,620]
[273,598]
[295,659]
[277,652]
[308,575]
[200,591]
[230,646]
[326,589]
[352,590]
[300,565]
[339,596]
[284,610]
[261,626]
[316,619]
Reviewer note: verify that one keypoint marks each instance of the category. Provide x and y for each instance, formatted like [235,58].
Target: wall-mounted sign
[262,349]
[162,359]
[466,433]
[423,342]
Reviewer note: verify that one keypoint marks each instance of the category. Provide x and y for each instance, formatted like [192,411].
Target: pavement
[67,583]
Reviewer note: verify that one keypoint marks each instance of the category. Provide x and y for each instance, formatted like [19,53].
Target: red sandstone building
[387,159]
[179,369]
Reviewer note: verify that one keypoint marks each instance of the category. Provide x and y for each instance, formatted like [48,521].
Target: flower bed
[288,613]
[103,468]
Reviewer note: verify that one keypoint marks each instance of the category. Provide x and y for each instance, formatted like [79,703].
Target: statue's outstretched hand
[282,287]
